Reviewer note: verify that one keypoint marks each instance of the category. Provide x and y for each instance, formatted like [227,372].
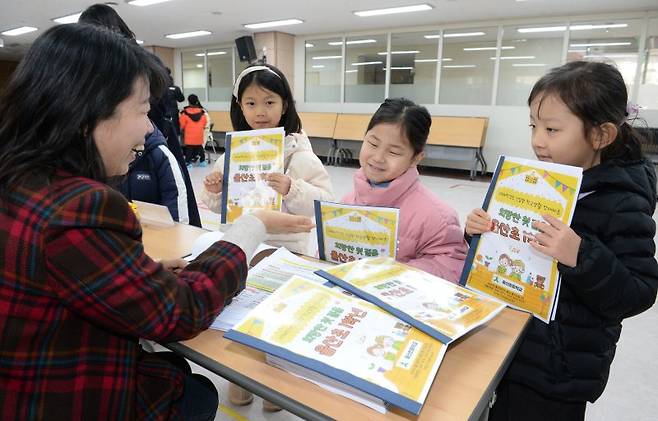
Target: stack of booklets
[346,341]
[501,263]
[380,342]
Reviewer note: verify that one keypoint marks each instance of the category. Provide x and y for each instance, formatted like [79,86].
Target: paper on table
[208,239]
[277,268]
[153,214]
[241,304]
[264,278]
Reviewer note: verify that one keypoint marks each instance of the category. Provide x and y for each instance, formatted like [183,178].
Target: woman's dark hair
[596,94]
[104,15]
[276,83]
[194,100]
[72,78]
[414,120]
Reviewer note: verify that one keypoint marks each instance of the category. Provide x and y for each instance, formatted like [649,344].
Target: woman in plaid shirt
[76,289]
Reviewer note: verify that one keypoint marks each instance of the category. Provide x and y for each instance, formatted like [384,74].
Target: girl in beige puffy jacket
[262,99]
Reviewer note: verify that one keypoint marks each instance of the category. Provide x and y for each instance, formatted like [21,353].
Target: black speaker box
[246,49]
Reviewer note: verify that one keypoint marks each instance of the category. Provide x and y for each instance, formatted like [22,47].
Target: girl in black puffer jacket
[578,115]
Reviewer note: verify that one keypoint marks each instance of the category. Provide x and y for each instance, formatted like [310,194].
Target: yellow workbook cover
[501,263]
[442,309]
[346,339]
[251,155]
[351,232]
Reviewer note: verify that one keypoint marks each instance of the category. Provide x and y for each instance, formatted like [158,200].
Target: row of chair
[465,133]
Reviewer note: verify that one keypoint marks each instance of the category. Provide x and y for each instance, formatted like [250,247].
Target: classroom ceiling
[225,18]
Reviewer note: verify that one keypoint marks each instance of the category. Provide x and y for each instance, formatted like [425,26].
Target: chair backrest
[222,121]
[458,131]
[351,126]
[318,124]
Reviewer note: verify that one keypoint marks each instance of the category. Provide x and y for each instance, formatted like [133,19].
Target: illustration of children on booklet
[517,269]
[511,268]
[389,343]
[504,262]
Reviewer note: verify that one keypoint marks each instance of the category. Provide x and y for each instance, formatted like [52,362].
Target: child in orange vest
[193,121]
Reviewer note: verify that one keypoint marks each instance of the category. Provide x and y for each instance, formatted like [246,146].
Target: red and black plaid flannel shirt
[76,293]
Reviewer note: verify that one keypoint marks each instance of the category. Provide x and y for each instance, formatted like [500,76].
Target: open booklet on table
[263,279]
[441,309]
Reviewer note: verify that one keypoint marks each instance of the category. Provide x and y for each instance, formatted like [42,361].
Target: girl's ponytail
[627,146]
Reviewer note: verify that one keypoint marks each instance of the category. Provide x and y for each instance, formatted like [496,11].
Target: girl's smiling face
[386,153]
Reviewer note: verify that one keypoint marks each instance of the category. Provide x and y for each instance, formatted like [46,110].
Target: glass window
[220,73]
[365,68]
[614,42]
[648,94]
[413,67]
[194,74]
[323,67]
[467,68]
[537,49]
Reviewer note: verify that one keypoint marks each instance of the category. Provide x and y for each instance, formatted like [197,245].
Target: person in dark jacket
[105,16]
[579,117]
[156,177]
[172,96]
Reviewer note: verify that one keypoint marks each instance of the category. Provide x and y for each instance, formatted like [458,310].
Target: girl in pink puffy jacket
[430,237]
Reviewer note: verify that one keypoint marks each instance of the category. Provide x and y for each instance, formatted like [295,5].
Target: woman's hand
[478,222]
[174,265]
[279,182]
[557,240]
[284,223]
[213,182]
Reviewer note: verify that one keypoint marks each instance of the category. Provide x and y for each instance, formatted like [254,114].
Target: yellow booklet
[346,339]
[501,263]
[351,232]
[250,156]
[443,310]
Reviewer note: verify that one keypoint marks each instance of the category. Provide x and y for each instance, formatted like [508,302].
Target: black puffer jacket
[616,277]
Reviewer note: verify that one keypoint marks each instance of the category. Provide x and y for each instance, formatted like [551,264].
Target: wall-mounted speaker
[246,49]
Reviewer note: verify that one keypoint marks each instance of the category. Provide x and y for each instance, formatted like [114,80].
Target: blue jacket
[156,177]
